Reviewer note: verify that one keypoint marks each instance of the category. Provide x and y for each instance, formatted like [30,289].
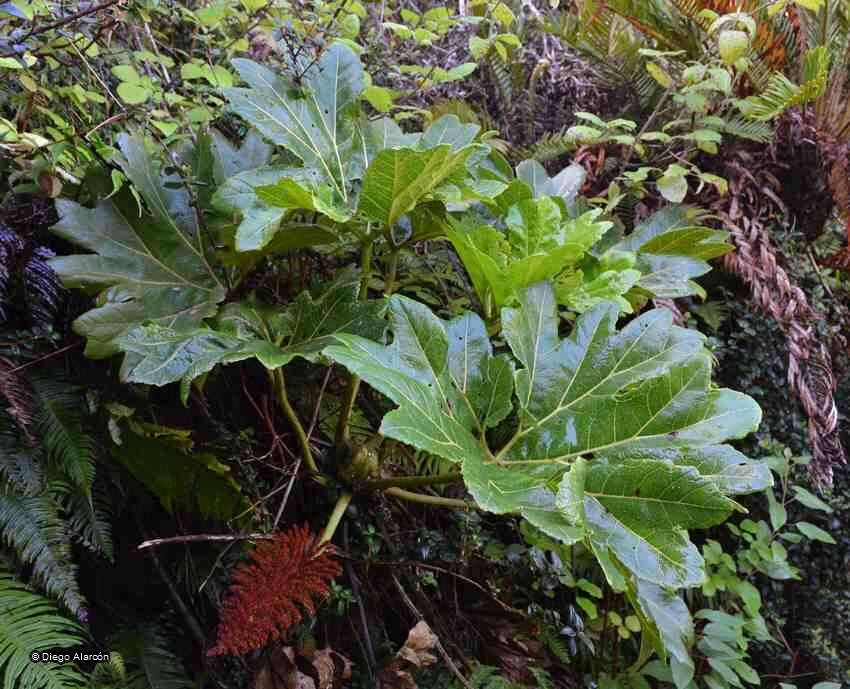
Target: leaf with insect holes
[151,261]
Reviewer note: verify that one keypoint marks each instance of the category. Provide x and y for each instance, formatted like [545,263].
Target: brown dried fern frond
[287,573]
[748,210]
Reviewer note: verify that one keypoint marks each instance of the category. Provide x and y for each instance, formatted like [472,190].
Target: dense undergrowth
[404,345]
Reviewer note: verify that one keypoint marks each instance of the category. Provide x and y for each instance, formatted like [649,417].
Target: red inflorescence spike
[267,594]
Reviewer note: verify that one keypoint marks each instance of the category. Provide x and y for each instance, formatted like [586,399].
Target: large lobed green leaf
[151,260]
[313,121]
[319,121]
[613,428]
[244,330]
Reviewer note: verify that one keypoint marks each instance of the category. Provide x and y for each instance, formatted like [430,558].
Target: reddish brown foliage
[286,572]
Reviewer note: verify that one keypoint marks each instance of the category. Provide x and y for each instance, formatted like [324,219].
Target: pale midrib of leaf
[533,371]
[625,441]
[312,145]
[109,278]
[491,402]
[149,256]
[443,396]
[463,389]
[424,412]
[162,211]
[639,499]
[561,407]
[661,553]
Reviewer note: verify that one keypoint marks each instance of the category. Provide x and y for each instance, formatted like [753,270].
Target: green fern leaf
[750,130]
[29,623]
[502,79]
[781,93]
[88,517]
[110,674]
[59,426]
[550,146]
[151,663]
[19,464]
[32,527]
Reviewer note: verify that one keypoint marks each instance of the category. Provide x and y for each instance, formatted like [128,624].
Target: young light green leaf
[397,179]
[810,500]
[258,220]
[815,532]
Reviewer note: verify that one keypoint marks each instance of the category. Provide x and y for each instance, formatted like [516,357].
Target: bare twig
[67,20]
[286,494]
[419,616]
[201,538]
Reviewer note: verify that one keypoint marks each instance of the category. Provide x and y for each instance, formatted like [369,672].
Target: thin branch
[67,20]
[286,495]
[419,616]
[201,538]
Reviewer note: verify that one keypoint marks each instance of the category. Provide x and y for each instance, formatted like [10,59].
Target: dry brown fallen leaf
[414,654]
[282,671]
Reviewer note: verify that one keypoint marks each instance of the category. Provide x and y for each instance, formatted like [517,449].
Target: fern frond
[10,246]
[781,93]
[544,679]
[19,464]
[32,527]
[555,643]
[457,107]
[150,662]
[14,390]
[110,674]
[41,286]
[748,129]
[550,146]
[502,79]
[29,623]
[288,570]
[488,677]
[59,423]
[88,516]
